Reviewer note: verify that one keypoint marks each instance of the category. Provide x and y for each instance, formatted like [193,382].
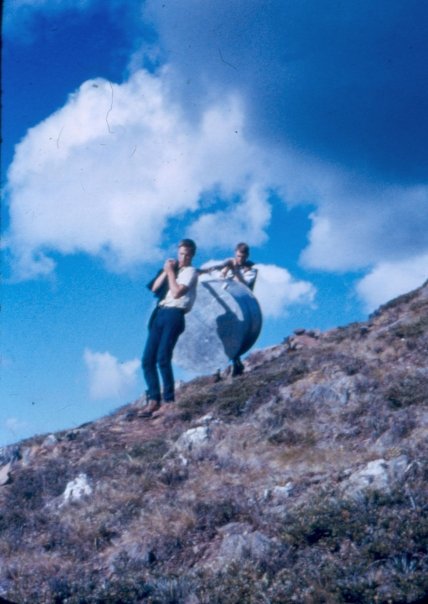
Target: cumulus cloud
[345,82]
[108,377]
[391,279]
[276,290]
[245,221]
[275,107]
[357,226]
[339,106]
[105,173]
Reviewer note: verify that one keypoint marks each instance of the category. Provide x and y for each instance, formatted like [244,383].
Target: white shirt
[187,275]
[248,274]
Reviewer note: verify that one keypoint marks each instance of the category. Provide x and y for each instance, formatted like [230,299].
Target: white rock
[50,441]
[374,476]
[183,460]
[377,476]
[77,488]
[278,492]
[28,454]
[282,492]
[207,419]
[5,473]
[193,439]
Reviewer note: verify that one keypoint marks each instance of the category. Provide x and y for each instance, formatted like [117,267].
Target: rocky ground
[304,480]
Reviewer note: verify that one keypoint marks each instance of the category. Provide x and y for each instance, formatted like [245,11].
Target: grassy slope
[257,512]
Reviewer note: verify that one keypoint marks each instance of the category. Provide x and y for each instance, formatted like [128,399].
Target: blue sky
[299,127]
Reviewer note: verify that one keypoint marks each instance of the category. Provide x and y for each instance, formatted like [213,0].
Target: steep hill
[304,480]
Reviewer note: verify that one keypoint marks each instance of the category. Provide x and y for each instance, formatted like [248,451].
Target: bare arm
[158,281]
[214,267]
[177,290]
[231,265]
[240,273]
[227,266]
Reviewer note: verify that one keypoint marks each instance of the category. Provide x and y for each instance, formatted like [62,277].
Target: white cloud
[105,173]
[245,221]
[359,224]
[329,130]
[391,279]
[276,290]
[109,378]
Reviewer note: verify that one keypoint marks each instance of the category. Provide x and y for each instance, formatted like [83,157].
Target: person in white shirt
[178,279]
[240,268]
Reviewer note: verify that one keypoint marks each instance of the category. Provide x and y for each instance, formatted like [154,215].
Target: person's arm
[177,289]
[215,267]
[158,282]
[244,274]
[228,265]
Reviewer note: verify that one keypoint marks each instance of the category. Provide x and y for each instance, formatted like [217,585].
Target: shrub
[407,389]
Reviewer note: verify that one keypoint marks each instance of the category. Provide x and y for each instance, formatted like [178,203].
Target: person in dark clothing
[175,285]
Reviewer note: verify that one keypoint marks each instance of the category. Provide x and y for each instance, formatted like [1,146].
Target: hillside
[304,480]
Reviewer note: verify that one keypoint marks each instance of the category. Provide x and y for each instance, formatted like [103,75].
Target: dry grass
[153,529]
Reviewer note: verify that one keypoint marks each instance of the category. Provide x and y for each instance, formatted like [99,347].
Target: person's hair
[190,244]
[243,248]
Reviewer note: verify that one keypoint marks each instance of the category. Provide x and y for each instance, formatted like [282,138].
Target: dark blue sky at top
[344,81]
[50,58]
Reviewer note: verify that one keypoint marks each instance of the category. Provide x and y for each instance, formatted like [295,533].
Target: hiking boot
[167,409]
[148,410]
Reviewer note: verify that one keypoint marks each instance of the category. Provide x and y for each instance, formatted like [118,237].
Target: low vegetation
[304,480]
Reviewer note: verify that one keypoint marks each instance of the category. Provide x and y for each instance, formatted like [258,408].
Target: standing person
[179,279]
[240,268]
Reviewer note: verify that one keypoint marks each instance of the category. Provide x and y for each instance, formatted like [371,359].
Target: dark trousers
[165,327]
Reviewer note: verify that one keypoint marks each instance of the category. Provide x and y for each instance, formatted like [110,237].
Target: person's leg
[237,367]
[148,361]
[173,326]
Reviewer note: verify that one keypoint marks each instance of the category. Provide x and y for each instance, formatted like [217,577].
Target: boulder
[5,473]
[224,323]
[377,475]
[77,489]
[193,439]
[278,493]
